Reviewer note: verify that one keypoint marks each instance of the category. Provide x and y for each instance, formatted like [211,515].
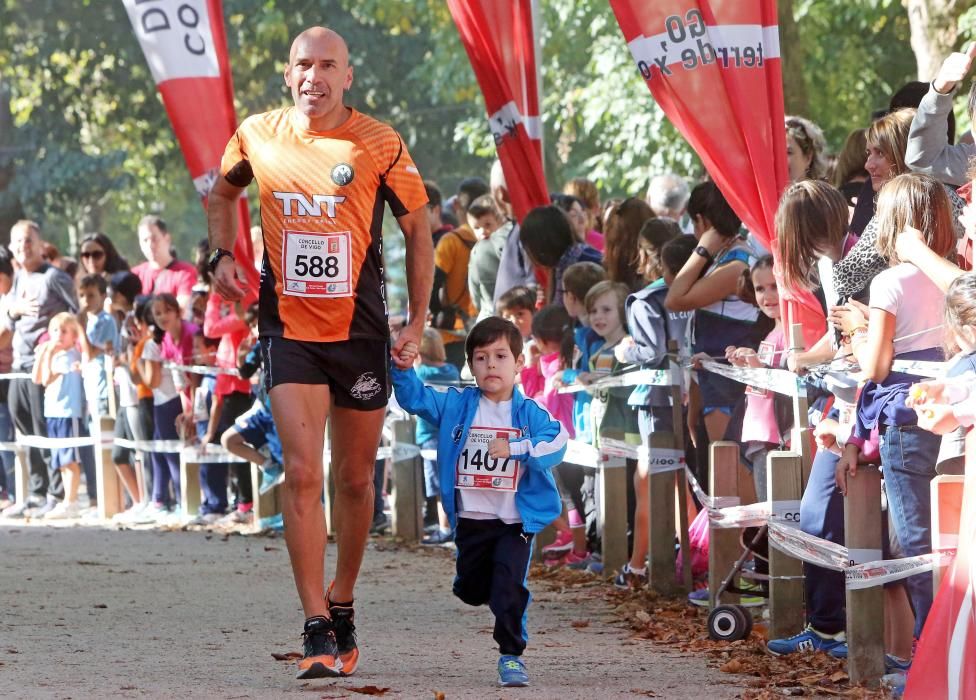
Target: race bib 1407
[317,264]
[477,470]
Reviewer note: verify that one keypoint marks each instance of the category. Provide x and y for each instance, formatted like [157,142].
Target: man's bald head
[319,37]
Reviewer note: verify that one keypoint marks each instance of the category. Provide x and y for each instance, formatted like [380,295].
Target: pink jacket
[221,321]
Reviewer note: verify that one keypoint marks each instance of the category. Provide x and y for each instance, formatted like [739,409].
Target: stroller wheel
[748,616]
[728,623]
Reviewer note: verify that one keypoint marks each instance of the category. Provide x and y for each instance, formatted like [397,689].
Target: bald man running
[324,171]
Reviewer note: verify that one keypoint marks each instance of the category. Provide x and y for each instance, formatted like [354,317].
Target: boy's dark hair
[546,235]
[127,284]
[489,330]
[207,340]
[553,325]
[517,299]
[708,201]
[676,252]
[143,308]
[657,231]
[434,196]
[580,277]
[96,281]
[469,190]
[483,205]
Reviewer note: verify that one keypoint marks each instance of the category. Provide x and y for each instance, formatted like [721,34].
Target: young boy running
[495,452]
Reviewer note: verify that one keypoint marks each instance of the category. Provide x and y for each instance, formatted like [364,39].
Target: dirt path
[87,612]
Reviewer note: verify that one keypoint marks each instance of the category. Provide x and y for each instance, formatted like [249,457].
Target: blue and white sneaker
[809,640]
[511,672]
[275,523]
[893,664]
[272,474]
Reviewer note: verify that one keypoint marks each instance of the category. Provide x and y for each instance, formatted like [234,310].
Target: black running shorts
[356,370]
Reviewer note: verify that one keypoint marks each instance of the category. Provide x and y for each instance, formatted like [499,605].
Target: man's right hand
[24,307]
[954,70]
[225,280]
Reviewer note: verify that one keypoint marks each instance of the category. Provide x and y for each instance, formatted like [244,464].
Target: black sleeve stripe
[240,175]
[396,206]
[395,160]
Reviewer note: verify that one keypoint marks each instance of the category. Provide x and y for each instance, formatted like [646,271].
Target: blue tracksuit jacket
[541,447]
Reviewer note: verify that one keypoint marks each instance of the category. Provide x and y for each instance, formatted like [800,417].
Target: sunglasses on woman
[93,254]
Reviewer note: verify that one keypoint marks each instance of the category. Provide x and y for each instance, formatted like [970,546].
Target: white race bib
[476,470]
[317,264]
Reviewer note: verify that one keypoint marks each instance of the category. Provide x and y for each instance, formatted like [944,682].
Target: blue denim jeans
[908,456]
[822,515]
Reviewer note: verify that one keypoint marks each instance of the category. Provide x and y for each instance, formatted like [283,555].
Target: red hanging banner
[186,49]
[714,68]
[500,42]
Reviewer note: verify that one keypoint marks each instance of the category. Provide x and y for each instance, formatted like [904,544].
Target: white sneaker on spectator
[237,517]
[65,510]
[129,513]
[205,520]
[154,513]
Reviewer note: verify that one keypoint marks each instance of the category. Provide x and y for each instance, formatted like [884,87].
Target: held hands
[406,347]
[499,449]
[954,70]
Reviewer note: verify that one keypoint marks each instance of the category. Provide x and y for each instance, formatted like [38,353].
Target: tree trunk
[934,32]
[791,58]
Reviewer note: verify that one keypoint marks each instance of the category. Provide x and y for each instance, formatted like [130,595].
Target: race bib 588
[317,264]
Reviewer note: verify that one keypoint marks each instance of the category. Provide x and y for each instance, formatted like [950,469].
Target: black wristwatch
[215,255]
[703,251]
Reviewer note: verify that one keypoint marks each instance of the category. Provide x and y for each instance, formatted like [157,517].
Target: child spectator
[98,342]
[904,322]
[518,306]
[432,366]
[652,326]
[760,431]
[213,475]
[58,370]
[577,282]
[488,226]
[500,476]
[553,332]
[253,435]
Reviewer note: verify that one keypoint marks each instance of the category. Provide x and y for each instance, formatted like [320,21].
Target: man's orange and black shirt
[322,201]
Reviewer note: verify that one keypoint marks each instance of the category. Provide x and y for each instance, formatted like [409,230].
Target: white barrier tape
[919,368]
[641,377]
[780,381]
[661,460]
[786,511]
[16,375]
[429,454]
[581,453]
[862,556]
[161,446]
[46,443]
[813,550]
[213,454]
[751,515]
[710,502]
[876,573]
[201,369]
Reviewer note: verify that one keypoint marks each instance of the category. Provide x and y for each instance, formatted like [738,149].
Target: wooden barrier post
[109,490]
[612,486]
[546,536]
[784,489]
[408,487]
[682,499]
[21,473]
[800,435]
[265,505]
[723,543]
[190,496]
[865,607]
[660,570]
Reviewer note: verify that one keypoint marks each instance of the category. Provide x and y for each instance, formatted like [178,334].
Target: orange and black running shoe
[320,656]
[343,621]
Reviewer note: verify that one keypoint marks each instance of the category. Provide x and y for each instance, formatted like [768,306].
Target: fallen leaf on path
[369,690]
[838,677]
[438,695]
[731,666]
[100,605]
[287,656]
[272,549]
[645,693]
[580,624]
